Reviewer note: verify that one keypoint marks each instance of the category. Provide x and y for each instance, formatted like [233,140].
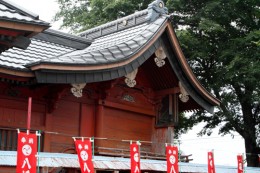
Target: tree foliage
[221,40]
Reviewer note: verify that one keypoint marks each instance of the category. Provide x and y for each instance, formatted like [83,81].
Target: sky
[225,148]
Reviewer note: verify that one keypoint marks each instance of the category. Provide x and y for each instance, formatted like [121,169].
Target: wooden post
[87,120]
[29,113]
[175,109]
[99,124]
[170,133]
[47,136]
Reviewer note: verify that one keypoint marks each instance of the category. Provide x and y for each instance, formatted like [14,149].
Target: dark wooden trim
[13,72]
[140,110]
[162,93]
[186,68]
[23,26]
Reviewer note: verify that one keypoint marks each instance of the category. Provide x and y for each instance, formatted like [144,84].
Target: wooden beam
[186,68]
[16,73]
[167,91]
[23,26]
[128,108]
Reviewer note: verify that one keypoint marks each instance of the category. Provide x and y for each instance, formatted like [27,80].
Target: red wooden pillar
[87,122]
[47,136]
[99,123]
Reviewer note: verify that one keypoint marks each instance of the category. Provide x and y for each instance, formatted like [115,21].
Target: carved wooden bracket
[160,56]
[130,78]
[77,89]
[184,96]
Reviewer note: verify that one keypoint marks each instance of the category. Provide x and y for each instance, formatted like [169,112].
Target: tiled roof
[11,12]
[8,158]
[45,45]
[38,50]
[111,48]
[137,18]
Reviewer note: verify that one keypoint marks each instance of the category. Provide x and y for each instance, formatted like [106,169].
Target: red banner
[240,167]
[84,151]
[172,159]
[211,164]
[135,158]
[26,153]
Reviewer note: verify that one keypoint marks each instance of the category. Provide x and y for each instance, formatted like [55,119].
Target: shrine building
[126,80]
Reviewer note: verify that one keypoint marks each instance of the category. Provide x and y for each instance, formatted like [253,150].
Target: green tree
[221,41]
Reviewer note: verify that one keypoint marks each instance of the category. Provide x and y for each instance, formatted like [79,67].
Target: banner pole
[29,113]
[243,162]
[93,150]
[39,148]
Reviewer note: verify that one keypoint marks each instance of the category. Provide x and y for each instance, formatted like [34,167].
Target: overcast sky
[225,148]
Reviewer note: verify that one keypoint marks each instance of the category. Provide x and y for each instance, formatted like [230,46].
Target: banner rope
[120,140]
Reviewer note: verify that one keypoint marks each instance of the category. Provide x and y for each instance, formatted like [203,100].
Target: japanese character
[31,141]
[86,167]
[26,161]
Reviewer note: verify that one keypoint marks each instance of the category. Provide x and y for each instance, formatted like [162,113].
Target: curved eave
[29,27]
[82,73]
[187,77]
[15,72]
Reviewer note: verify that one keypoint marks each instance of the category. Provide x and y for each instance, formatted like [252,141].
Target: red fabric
[26,153]
[240,167]
[135,158]
[172,159]
[211,164]
[84,155]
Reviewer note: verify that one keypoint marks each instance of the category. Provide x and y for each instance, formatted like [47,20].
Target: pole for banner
[29,113]
[179,153]
[139,148]
[93,150]
[243,162]
[39,148]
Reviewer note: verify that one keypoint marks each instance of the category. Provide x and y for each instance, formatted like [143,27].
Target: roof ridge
[62,38]
[20,9]
[154,10]
[123,21]
[67,35]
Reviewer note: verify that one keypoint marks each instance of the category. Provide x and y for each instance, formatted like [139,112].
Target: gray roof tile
[110,48]
[9,12]
[38,50]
